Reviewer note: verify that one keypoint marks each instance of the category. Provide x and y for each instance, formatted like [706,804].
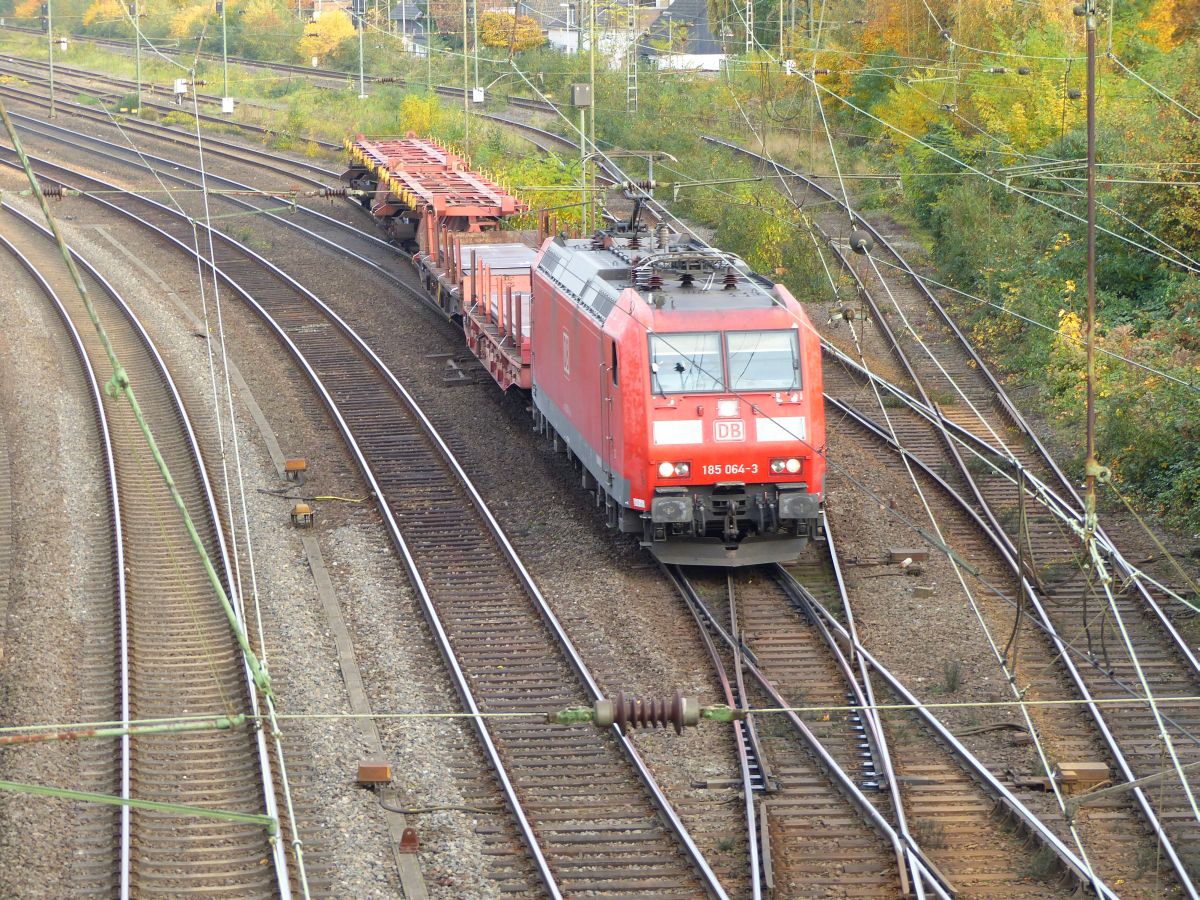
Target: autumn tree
[103,12]
[503,29]
[190,20]
[325,35]
[1170,22]
[266,29]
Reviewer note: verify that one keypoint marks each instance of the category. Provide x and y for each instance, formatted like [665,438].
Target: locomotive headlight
[727,409]
[674,469]
[791,466]
[777,466]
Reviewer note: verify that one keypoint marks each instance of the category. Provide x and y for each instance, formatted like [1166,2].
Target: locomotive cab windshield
[732,361]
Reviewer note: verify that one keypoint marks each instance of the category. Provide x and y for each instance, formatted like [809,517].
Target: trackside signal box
[581,95]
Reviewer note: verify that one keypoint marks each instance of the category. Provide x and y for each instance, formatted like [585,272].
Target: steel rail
[410,287]
[118,548]
[1062,648]
[279,856]
[223,121]
[977,520]
[573,657]
[878,741]
[903,846]
[1011,802]
[1007,407]
[158,131]
[1008,549]
[740,738]
[309,72]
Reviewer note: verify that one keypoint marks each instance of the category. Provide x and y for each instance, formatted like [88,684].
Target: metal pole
[362,77]
[583,187]
[466,96]
[50,44]
[591,107]
[475,37]
[1092,466]
[137,55]
[224,51]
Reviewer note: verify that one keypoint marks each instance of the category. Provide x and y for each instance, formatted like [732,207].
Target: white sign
[731,430]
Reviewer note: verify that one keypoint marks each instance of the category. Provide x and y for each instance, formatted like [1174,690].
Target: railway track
[612,832]
[974,434]
[299,171]
[173,650]
[966,834]
[310,73]
[83,80]
[811,816]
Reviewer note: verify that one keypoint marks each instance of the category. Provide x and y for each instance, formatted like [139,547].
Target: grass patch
[951,676]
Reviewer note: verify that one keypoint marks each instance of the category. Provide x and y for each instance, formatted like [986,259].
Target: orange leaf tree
[503,29]
[326,34]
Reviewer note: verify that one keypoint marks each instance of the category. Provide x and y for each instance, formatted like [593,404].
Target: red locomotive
[687,387]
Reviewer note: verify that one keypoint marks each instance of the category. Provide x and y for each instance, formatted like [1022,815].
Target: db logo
[729,430]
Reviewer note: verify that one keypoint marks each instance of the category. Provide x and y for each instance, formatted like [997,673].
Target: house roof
[693,14]
[406,10]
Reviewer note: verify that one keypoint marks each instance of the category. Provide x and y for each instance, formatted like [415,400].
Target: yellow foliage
[1070,328]
[1032,112]
[261,16]
[1169,21]
[103,11]
[420,114]
[907,108]
[326,34]
[497,29]
[28,9]
[190,19]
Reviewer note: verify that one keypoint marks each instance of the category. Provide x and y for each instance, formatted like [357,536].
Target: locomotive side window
[686,363]
[763,360]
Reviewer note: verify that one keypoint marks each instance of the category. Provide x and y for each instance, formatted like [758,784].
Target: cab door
[609,414]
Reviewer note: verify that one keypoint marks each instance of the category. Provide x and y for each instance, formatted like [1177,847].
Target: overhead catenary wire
[38,728]
[1009,677]
[284,781]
